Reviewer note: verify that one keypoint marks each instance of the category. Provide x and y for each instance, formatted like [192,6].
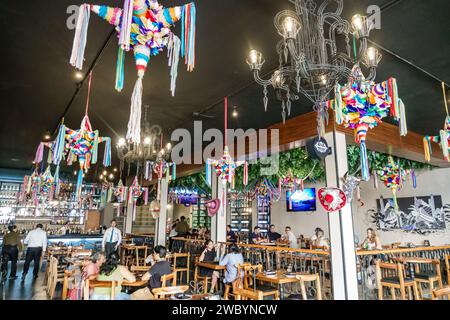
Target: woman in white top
[320,240]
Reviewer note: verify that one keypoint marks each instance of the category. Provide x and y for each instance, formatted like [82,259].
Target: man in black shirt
[255,236]
[231,235]
[272,235]
[160,267]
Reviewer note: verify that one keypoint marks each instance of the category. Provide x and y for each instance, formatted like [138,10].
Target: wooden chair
[441,294]
[244,294]
[310,278]
[392,275]
[91,284]
[237,284]
[55,276]
[249,282]
[182,269]
[169,277]
[65,288]
[200,279]
[427,277]
[447,268]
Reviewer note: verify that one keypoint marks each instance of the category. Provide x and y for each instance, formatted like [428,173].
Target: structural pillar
[161,223]
[219,221]
[129,218]
[343,254]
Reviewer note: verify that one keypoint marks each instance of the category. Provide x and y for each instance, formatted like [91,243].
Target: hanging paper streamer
[173,53]
[245,179]
[361,105]
[414,178]
[208,173]
[174,171]
[120,70]
[144,26]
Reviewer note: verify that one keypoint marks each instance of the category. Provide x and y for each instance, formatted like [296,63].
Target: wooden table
[169,291]
[210,265]
[279,279]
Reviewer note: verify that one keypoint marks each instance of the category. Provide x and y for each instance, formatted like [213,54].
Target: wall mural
[421,215]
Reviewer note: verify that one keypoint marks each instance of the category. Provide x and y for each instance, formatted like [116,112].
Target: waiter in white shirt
[36,242]
[111,239]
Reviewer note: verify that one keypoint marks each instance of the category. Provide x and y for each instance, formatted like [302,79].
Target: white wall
[436,182]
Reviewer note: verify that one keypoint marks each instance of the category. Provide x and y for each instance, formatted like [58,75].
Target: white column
[214,196]
[343,255]
[221,215]
[129,218]
[161,222]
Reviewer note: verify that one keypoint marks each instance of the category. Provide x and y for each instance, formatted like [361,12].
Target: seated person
[290,237]
[372,241]
[231,261]
[92,269]
[320,240]
[160,267]
[256,237]
[231,235]
[209,255]
[272,235]
[112,271]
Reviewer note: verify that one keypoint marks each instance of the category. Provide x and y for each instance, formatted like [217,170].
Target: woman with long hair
[110,270]
[372,241]
[209,255]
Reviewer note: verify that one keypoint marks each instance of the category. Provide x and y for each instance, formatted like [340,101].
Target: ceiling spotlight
[235,113]
[111,176]
[115,169]
[169,146]
[105,172]
[78,75]
[75,172]
[47,135]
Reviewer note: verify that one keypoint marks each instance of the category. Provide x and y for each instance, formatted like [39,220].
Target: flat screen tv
[301,201]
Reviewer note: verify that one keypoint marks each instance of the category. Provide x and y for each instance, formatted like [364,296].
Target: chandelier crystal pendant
[315,53]
[149,149]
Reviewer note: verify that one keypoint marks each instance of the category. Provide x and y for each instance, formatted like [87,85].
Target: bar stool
[441,294]
[427,277]
[447,268]
[392,275]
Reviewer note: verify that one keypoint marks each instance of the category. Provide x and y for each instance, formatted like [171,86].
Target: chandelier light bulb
[373,57]
[121,142]
[111,176]
[78,75]
[105,172]
[289,24]
[169,146]
[147,141]
[323,78]
[291,27]
[235,113]
[255,60]
[357,22]
[101,176]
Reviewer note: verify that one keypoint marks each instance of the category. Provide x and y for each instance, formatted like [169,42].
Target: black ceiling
[37,81]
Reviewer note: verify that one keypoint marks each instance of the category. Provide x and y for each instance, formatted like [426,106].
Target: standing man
[12,244]
[182,227]
[111,239]
[37,244]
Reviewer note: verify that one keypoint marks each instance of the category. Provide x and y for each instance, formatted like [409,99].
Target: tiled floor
[30,289]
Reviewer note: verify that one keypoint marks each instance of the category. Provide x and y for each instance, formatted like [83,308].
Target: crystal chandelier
[315,53]
[149,149]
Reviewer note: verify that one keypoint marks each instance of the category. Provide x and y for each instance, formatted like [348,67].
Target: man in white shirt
[111,239]
[36,242]
[290,237]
